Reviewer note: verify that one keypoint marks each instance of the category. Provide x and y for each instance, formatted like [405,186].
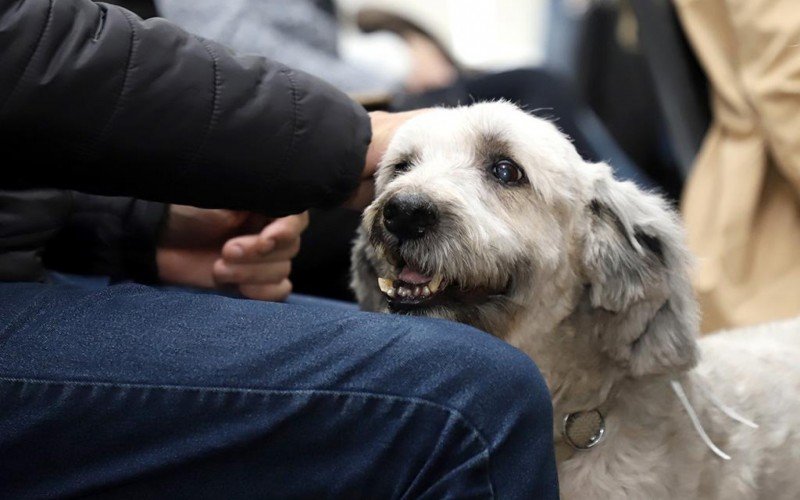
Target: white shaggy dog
[488,216]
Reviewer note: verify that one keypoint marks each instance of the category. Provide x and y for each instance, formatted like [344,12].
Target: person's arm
[94,99]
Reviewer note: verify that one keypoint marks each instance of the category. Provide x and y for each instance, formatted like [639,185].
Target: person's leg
[134,392]
[102,282]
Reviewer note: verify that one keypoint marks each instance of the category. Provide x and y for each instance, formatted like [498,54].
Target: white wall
[484,34]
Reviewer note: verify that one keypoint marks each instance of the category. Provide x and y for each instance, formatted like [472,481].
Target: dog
[488,216]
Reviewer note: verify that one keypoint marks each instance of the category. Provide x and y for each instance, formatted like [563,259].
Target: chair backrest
[680,84]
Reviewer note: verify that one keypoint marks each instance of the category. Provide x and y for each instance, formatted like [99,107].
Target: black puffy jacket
[95,100]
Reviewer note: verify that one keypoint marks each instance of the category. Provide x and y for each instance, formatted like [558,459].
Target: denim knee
[501,393]
[480,373]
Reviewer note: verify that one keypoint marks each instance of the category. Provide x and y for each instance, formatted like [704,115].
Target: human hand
[225,248]
[384,126]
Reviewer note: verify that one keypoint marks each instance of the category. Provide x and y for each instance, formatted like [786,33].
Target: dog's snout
[409,216]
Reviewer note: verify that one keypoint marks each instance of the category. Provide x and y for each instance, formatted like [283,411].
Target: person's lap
[130,390]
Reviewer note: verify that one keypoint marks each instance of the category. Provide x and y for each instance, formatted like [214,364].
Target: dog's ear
[641,304]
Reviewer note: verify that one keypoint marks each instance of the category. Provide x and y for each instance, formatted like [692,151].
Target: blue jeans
[134,392]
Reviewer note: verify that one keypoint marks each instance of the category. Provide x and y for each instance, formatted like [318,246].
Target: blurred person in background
[742,201]
[306,34]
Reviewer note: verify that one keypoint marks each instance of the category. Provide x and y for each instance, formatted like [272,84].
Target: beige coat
[742,201]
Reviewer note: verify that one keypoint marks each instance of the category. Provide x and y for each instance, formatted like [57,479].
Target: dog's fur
[589,276]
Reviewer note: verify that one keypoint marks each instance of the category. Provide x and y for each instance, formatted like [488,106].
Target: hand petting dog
[384,125]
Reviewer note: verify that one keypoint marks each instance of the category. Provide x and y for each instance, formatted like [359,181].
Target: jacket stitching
[287,156]
[101,23]
[118,104]
[32,56]
[214,116]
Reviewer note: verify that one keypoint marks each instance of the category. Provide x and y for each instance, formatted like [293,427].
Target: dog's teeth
[385,284]
[433,286]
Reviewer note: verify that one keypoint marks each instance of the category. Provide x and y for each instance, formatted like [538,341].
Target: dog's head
[488,216]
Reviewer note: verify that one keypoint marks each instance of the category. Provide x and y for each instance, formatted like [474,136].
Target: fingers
[251,274]
[191,227]
[279,240]
[251,248]
[260,264]
[286,228]
[268,282]
[186,267]
[273,292]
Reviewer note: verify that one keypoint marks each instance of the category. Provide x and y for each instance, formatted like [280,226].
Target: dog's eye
[508,172]
[401,167]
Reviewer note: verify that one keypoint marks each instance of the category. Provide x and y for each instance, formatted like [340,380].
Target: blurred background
[490,35]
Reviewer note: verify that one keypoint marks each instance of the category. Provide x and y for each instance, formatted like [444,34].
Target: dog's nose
[409,216]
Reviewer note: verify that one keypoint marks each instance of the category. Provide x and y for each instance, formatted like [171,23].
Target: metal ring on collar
[590,424]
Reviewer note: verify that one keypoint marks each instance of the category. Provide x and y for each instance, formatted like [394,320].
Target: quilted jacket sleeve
[112,236]
[94,99]
[55,229]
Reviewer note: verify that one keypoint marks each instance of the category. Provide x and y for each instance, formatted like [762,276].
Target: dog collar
[582,430]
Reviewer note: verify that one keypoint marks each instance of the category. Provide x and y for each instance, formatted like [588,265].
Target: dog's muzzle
[410,216]
[407,228]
